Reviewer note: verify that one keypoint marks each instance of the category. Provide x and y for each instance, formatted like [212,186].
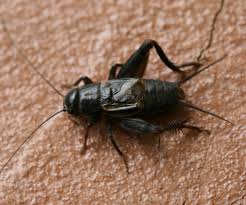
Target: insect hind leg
[139,126]
[174,67]
[181,124]
[136,64]
[143,127]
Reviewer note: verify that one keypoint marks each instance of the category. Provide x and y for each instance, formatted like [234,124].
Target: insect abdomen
[161,95]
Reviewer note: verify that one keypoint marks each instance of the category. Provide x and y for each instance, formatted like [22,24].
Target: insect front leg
[110,135]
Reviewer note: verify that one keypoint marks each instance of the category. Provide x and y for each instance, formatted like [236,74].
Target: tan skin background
[75,38]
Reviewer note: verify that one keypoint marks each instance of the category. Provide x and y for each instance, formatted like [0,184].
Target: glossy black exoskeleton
[126,97]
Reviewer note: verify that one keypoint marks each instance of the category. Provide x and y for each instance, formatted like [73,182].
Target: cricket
[126,97]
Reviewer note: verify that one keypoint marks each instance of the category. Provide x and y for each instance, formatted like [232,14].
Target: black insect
[127,98]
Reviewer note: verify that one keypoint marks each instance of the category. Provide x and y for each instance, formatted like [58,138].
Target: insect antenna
[23,56]
[186,104]
[29,136]
[196,73]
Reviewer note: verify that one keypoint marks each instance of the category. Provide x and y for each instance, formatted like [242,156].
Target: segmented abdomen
[160,95]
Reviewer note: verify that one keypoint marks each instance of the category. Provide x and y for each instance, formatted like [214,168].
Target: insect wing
[122,97]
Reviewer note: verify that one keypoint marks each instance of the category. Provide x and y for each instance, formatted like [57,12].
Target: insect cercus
[127,98]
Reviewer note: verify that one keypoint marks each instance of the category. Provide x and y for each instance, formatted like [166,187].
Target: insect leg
[85,79]
[139,126]
[87,128]
[110,135]
[136,64]
[181,124]
[176,68]
[198,129]
[112,72]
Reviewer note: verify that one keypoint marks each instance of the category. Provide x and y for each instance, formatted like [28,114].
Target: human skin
[75,38]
